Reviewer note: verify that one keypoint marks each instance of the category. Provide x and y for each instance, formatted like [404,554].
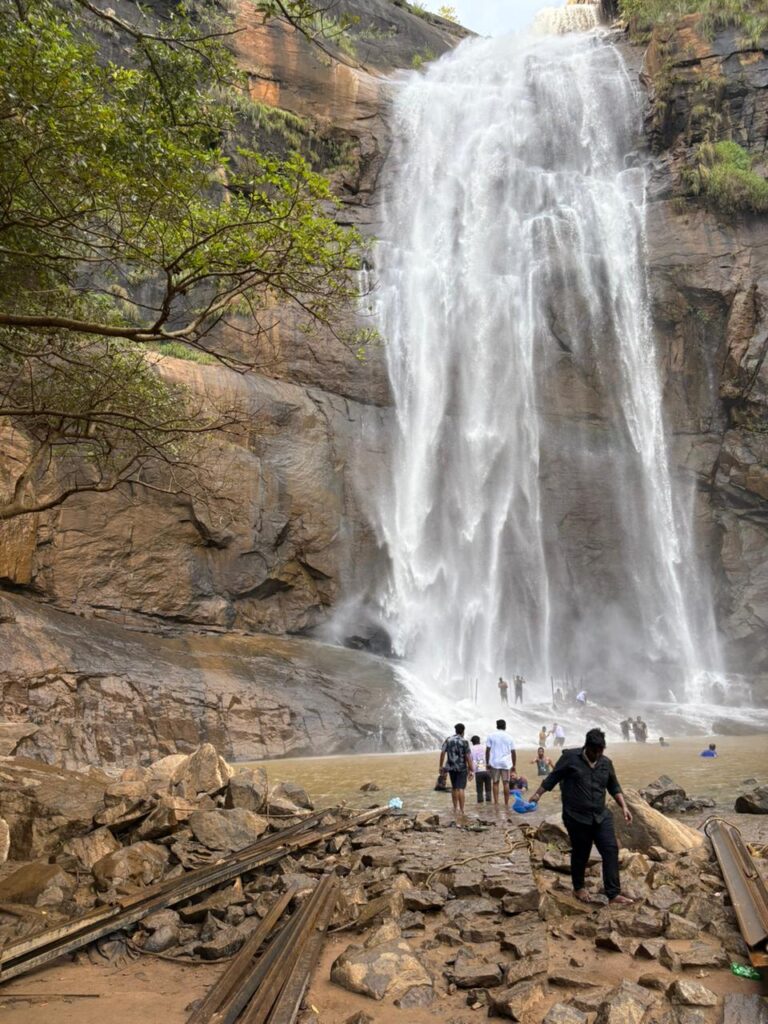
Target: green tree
[130,218]
[449,13]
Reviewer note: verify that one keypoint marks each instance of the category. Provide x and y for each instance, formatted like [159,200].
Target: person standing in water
[456,757]
[584,776]
[504,691]
[543,736]
[558,734]
[625,728]
[501,758]
[519,683]
[480,768]
[543,764]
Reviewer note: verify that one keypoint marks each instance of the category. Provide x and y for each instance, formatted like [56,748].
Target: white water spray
[531,517]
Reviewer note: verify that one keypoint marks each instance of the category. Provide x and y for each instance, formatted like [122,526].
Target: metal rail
[746,888]
[22,956]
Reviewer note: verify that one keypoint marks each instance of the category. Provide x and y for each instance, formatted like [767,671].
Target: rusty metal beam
[746,888]
[22,956]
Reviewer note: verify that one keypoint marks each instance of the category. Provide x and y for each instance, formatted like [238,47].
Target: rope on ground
[518,844]
[184,961]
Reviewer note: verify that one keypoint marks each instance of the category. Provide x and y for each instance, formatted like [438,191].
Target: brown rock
[386,970]
[744,1009]
[470,971]
[626,1004]
[227,829]
[204,771]
[84,851]
[651,828]
[248,788]
[519,1000]
[423,899]
[690,993]
[561,1013]
[37,884]
[44,806]
[131,868]
[522,970]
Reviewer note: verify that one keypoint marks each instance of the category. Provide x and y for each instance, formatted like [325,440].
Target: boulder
[470,907]
[131,867]
[296,794]
[522,970]
[651,828]
[162,771]
[227,829]
[84,851]
[754,802]
[690,993]
[248,788]
[388,970]
[203,771]
[37,885]
[44,806]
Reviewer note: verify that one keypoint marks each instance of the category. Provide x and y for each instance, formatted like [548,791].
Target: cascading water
[531,517]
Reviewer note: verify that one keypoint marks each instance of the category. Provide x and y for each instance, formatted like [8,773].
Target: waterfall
[575,17]
[531,516]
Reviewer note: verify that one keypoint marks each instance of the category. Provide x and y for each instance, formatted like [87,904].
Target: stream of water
[532,518]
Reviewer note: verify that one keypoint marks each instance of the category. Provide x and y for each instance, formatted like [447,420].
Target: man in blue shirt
[711,751]
[584,776]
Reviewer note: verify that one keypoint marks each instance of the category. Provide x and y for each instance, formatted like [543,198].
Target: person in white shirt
[501,758]
[558,732]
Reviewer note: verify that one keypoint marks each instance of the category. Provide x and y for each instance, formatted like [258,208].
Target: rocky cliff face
[709,274]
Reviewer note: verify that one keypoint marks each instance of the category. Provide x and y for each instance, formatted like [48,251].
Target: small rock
[522,902]
[470,971]
[699,954]
[690,993]
[610,941]
[424,900]
[381,856]
[645,924]
[418,996]
[626,1004]
[168,814]
[678,927]
[360,1018]
[467,884]
[649,949]
[519,1000]
[561,1013]
[412,920]
[754,802]
[570,979]
[668,958]
[470,907]
[161,939]
[370,787]
[387,970]
[385,933]
[522,970]
[226,942]
[293,794]
[658,982]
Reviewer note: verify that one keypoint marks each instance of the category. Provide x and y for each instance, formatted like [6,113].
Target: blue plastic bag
[520,805]
[396,803]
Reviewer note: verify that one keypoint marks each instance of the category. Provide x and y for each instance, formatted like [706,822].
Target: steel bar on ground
[288,1003]
[234,975]
[264,998]
[746,888]
[24,955]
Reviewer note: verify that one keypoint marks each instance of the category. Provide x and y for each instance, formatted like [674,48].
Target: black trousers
[603,835]
[483,783]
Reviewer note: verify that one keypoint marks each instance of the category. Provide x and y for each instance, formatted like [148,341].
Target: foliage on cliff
[748,16]
[123,225]
[724,176]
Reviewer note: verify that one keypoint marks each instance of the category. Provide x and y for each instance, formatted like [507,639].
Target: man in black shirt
[455,754]
[584,777]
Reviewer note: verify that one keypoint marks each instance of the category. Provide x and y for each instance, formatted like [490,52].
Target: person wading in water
[457,758]
[584,776]
[504,691]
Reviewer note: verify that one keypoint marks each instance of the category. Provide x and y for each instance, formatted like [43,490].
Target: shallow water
[411,777]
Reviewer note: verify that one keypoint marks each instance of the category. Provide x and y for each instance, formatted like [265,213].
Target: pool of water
[330,780]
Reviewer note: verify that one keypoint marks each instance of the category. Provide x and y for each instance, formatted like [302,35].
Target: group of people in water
[519,683]
[637,727]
